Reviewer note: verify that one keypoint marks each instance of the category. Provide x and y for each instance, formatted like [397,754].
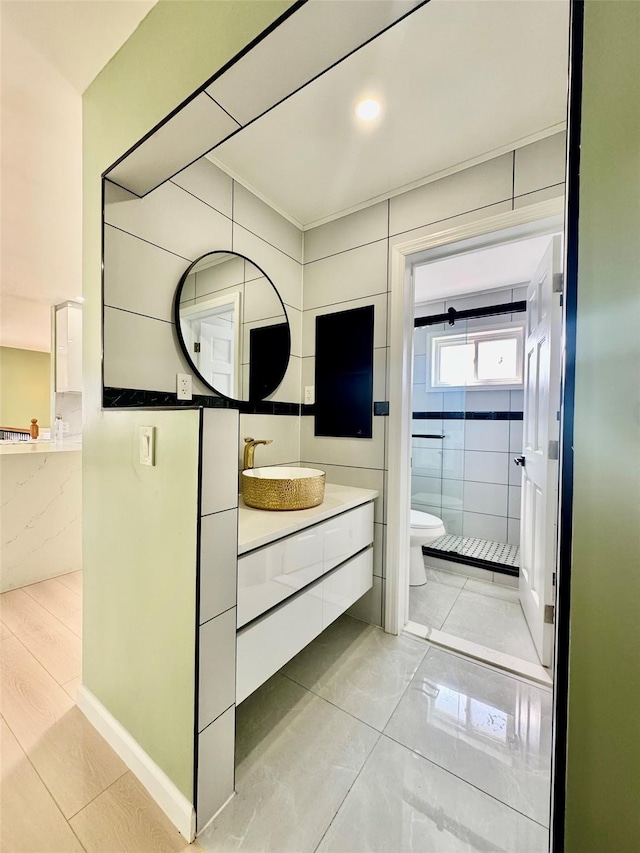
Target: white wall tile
[513,532]
[350,275]
[515,436]
[420,340]
[486,466]
[141,352]
[416,233]
[209,183]
[369,607]
[516,403]
[218,563]
[138,276]
[284,430]
[452,521]
[216,667]
[256,216]
[479,186]
[361,478]
[289,390]
[261,301]
[219,455]
[216,766]
[218,278]
[348,232]
[426,461]
[452,494]
[487,498]
[487,435]
[358,452]
[515,472]
[453,464]
[454,432]
[491,527]
[379,321]
[284,272]
[486,401]
[540,164]
[547,194]
[427,401]
[514,501]
[429,489]
[170,218]
[198,126]
[453,401]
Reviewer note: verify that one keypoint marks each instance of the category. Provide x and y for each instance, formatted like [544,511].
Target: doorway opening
[480,422]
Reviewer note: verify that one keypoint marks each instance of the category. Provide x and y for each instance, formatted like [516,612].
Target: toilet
[425,528]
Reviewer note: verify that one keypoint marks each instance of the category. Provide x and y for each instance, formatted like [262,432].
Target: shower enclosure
[467,426]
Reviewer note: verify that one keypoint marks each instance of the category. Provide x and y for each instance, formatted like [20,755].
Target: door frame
[532,220]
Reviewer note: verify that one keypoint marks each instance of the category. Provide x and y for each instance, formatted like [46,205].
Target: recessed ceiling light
[368,109]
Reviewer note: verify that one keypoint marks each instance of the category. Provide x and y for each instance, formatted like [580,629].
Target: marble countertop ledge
[17,447]
[258,527]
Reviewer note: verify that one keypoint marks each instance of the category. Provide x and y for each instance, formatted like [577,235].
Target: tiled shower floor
[479,549]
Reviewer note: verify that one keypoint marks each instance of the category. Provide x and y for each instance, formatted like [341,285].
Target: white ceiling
[78,37]
[458,80]
[485,269]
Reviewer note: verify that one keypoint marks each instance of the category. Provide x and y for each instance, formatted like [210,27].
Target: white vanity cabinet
[291,589]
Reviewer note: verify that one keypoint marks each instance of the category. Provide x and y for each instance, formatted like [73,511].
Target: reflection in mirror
[232,326]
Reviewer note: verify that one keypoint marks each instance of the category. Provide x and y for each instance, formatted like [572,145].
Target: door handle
[520,461]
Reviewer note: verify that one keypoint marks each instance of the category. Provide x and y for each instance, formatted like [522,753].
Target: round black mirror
[232,326]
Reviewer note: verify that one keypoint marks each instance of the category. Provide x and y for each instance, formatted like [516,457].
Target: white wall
[41,192]
[346,265]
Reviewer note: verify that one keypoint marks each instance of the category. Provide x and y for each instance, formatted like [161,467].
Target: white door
[216,359]
[540,450]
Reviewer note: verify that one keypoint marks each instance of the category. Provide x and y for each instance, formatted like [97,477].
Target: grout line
[344,251]
[149,242]
[462,779]
[342,802]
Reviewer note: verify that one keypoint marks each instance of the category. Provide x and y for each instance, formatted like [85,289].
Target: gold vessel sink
[280,488]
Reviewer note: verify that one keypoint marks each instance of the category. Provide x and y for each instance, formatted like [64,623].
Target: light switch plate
[184,386]
[147,445]
[309,394]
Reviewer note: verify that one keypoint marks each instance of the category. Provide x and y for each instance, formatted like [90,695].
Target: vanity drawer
[271,574]
[346,585]
[346,534]
[266,645]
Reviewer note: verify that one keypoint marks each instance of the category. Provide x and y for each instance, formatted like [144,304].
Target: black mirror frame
[183,347]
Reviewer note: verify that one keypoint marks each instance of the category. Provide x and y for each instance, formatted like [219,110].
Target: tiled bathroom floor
[486,613]
[369,742]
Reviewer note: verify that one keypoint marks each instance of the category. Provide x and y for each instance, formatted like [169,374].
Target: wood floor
[63,789]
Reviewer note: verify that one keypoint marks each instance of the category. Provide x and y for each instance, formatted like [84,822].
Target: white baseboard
[172,801]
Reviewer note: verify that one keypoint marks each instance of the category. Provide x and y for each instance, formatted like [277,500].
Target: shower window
[492,357]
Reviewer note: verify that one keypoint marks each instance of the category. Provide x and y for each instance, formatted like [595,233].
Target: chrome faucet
[250,445]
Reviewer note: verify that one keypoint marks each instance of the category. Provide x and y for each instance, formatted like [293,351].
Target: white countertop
[15,447]
[257,527]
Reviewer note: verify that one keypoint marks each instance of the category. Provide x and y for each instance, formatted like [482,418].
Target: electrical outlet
[184,388]
[147,445]
[309,394]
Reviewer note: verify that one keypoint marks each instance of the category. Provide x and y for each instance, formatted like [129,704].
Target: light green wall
[603,786]
[139,523]
[25,387]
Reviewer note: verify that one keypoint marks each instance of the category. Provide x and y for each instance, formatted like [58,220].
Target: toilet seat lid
[424,520]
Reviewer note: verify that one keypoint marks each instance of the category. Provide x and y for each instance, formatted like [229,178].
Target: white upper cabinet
[68,347]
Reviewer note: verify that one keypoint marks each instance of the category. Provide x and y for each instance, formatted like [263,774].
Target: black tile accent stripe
[133,398]
[467,416]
